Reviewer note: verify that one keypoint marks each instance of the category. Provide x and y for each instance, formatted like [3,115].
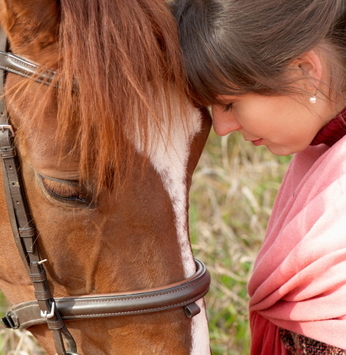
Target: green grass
[232,195]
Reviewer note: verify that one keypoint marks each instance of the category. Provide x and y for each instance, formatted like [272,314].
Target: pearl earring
[313,99]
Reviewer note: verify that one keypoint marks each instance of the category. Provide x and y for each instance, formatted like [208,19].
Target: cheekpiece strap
[23,229]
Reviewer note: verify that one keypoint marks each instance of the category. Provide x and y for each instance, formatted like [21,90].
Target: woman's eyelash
[227,107]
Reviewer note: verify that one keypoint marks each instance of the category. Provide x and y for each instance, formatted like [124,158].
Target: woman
[275,70]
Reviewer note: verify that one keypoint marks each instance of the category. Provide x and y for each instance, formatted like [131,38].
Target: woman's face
[284,124]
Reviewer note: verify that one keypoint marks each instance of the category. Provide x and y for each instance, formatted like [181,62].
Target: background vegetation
[232,195]
[231,199]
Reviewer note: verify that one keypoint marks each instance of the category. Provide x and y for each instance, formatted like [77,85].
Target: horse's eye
[66,191]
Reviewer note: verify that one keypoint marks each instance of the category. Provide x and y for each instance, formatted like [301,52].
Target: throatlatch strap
[23,230]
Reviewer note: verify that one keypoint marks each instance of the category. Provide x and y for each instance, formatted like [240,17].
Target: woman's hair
[233,47]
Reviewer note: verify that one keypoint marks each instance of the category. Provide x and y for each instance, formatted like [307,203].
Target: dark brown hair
[233,47]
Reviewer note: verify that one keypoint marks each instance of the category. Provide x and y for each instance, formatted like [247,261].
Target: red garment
[299,278]
[333,131]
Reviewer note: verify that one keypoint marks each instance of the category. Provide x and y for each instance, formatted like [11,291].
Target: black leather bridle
[54,311]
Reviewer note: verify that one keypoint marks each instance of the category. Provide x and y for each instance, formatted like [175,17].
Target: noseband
[54,311]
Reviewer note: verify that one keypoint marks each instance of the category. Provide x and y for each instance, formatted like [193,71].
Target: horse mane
[119,62]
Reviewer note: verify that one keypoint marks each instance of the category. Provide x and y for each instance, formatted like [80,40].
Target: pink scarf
[299,278]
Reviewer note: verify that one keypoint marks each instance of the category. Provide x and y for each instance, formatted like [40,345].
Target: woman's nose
[223,122]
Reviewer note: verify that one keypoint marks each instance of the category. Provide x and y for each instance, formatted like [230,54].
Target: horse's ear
[31,25]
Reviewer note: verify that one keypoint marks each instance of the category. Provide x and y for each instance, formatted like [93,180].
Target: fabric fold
[299,278]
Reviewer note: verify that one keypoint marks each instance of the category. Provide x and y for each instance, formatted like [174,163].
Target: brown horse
[107,151]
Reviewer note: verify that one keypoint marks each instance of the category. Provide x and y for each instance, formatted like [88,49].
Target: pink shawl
[299,278]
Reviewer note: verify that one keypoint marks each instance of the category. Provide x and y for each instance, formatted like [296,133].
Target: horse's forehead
[168,149]
[169,156]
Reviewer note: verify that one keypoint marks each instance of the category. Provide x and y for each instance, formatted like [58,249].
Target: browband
[17,65]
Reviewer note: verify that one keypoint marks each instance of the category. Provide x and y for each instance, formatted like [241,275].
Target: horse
[106,140]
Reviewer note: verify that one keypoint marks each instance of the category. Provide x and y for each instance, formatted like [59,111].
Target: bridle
[54,311]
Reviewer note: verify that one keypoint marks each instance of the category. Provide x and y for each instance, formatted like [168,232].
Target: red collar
[332,131]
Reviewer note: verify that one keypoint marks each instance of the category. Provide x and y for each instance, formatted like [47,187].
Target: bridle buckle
[3,127]
[11,320]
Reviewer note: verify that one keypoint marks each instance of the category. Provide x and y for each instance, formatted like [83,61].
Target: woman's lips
[257,142]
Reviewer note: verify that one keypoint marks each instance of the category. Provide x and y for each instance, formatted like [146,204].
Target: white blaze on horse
[99,143]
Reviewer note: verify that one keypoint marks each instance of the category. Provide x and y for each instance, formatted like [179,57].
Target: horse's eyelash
[61,189]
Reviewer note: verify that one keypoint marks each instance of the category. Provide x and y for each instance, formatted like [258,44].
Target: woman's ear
[310,67]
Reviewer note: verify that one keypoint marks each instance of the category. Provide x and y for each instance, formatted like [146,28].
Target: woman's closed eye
[227,107]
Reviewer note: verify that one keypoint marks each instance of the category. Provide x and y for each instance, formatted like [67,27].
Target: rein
[54,311]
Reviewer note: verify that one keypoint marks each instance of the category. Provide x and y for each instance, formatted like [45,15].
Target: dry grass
[16,342]
[231,199]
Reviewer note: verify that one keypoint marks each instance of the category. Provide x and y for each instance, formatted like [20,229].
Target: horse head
[107,143]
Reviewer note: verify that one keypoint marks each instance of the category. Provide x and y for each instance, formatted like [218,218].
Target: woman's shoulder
[318,161]
[310,172]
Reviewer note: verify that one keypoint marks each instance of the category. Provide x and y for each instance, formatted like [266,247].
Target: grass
[231,199]
[232,195]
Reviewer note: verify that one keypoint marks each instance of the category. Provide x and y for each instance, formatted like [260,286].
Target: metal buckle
[45,314]
[10,320]
[7,126]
